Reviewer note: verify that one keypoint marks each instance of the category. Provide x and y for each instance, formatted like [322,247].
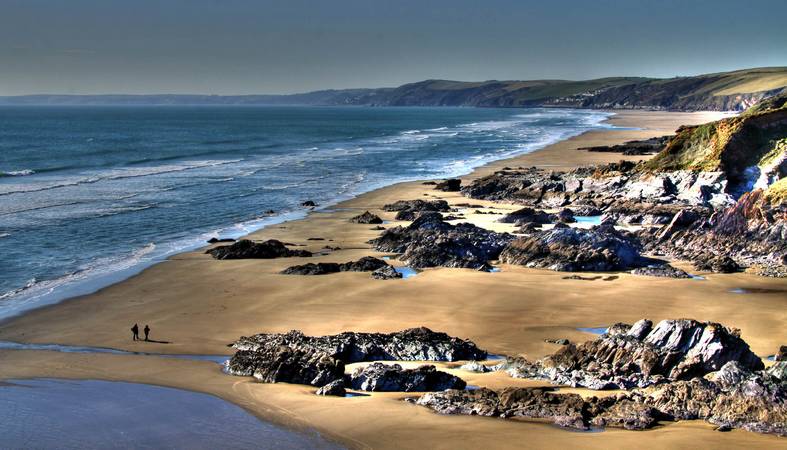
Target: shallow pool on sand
[91,414]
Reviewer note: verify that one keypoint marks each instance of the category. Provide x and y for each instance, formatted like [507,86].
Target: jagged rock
[630,356]
[367,218]
[365,264]
[414,344]
[586,210]
[430,242]
[386,273]
[622,412]
[561,341]
[411,209]
[246,249]
[477,402]
[309,204]
[640,147]
[574,250]
[450,185]
[664,270]
[379,377]
[377,228]
[276,364]
[475,366]
[565,215]
[335,388]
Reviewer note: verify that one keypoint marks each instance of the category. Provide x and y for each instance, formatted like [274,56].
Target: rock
[782,354]
[214,240]
[623,412]
[450,185]
[562,341]
[309,204]
[586,210]
[431,242]
[411,209]
[377,228]
[276,364]
[664,270]
[637,356]
[335,388]
[574,250]
[414,344]
[429,183]
[365,264]
[565,215]
[367,218]
[478,402]
[386,273]
[717,264]
[475,366]
[526,215]
[246,249]
[379,377]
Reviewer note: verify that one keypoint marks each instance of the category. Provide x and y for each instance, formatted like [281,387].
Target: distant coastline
[726,91]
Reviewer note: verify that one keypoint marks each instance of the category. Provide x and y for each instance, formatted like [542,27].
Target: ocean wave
[116,174]
[17,173]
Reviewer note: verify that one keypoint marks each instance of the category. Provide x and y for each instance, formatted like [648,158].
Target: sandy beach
[199,305]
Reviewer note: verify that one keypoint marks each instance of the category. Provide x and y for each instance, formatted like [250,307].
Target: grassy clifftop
[755,139]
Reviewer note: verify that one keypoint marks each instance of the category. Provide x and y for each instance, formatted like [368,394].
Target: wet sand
[200,305]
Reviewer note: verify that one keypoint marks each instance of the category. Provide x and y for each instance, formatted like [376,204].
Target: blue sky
[242,46]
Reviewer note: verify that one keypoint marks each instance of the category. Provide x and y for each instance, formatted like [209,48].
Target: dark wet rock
[379,377]
[641,355]
[335,388]
[414,344]
[386,273]
[365,264]
[270,212]
[411,209]
[528,228]
[526,215]
[575,250]
[315,239]
[664,271]
[214,240]
[586,210]
[275,364]
[639,147]
[782,354]
[565,215]
[377,228]
[477,402]
[309,204]
[429,183]
[717,264]
[431,242]
[450,185]
[367,218]
[622,412]
[561,341]
[246,249]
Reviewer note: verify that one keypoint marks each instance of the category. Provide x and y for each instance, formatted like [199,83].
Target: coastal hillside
[751,149]
[725,91]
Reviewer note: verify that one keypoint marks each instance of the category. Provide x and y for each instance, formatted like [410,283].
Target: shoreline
[201,304]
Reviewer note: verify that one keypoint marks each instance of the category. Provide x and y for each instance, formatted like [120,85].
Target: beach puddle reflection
[594,330]
[8,345]
[91,414]
[406,272]
[588,220]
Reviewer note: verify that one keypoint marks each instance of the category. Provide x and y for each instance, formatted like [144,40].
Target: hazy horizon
[241,47]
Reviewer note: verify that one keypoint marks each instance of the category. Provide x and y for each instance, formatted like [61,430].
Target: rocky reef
[367,218]
[431,242]
[677,370]
[246,249]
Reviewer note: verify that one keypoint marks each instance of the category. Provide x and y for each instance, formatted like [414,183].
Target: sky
[288,46]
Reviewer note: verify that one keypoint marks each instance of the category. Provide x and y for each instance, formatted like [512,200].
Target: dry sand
[201,305]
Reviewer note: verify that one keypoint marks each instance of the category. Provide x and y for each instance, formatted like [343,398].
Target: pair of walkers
[135,332]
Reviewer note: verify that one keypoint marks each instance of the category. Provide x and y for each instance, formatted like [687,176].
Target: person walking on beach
[135,332]
[147,331]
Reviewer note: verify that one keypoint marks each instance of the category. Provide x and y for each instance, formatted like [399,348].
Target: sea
[92,195]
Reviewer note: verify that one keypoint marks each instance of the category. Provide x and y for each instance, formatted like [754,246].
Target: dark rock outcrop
[309,204]
[379,377]
[411,209]
[367,218]
[526,215]
[335,388]
[214,240]
[664,271]
[415,344]
[386,273]
[276,364]
[365,264]
[450,185]
[430,242]
[575,250]
[246,249]
[782,354]
[642,147]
